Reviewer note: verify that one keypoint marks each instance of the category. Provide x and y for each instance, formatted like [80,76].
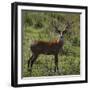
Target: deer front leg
[56,63]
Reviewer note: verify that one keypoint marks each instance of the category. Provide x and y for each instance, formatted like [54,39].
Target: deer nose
[61,36]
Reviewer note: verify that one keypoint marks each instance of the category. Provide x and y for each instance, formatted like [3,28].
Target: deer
[48,48]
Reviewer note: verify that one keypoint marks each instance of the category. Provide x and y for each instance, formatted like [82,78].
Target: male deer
[48,48]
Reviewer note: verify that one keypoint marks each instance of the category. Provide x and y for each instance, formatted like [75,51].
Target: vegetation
[38,26]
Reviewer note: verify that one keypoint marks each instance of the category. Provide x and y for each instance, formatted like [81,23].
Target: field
[38,26]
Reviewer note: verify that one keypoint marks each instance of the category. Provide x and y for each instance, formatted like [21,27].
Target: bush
[76,41]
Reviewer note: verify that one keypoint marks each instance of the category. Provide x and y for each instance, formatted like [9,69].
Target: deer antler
[67,27]
[55,25]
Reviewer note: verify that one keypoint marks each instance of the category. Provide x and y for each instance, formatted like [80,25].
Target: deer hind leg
[56,63]
[31,62]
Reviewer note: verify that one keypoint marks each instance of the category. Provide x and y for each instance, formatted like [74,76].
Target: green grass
[69,60]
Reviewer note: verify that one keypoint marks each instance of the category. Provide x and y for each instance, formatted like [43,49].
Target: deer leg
[33,59]
[29,61]
[56,63]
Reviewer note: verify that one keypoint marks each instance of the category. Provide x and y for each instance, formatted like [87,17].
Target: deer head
[66,28]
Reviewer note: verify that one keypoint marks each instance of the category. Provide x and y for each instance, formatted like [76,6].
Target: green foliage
[76,41]
[38,26]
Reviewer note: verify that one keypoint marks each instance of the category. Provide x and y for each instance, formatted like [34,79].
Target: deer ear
[57,31]
[64,32]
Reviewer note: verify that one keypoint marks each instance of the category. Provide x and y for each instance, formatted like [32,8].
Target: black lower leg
[29,62]
[34,57]
[56,63]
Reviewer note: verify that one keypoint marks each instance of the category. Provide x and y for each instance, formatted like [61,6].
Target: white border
[82,49]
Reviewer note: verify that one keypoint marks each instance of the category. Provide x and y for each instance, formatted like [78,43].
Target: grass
[69,60]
